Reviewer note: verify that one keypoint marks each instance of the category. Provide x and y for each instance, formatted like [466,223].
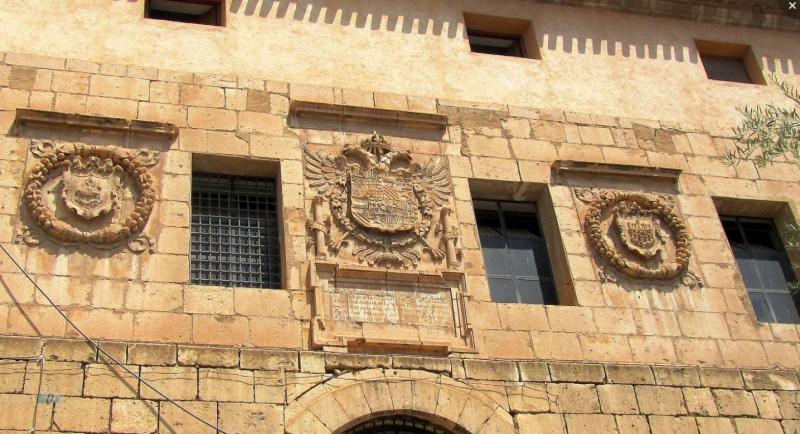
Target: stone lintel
[584,167]
[369,115]
[50,119]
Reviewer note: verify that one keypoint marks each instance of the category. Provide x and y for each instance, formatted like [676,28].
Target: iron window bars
[235,231]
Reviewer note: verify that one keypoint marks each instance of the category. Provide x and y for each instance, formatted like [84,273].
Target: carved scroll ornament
[92,180]
[380,199]
[653,241]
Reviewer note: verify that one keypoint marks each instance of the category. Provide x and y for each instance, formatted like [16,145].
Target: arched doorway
[390,401]
[398,424]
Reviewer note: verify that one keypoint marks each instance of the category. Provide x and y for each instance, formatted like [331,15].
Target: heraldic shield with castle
[383,204]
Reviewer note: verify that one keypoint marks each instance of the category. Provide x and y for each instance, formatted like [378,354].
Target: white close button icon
[793,5]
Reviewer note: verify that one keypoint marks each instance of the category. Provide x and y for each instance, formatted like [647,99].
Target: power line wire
[99,348]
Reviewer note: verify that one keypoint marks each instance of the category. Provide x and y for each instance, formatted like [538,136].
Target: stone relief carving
[97,195]
[382,203]
[640,235]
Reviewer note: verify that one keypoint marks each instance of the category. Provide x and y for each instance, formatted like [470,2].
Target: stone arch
[341,402]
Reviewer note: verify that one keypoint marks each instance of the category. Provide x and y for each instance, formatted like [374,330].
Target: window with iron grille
[764,267]
[235,231]
[515,253]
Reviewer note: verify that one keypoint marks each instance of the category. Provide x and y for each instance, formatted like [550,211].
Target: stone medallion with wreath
[640,236]
[88,194]
[383,204]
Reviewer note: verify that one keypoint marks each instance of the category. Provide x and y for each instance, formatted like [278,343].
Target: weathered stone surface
[206,356]
[735,402]
[491,370]
[660,400]
[630,374]
[700,401]
[152,354]
[577,372]
[617,399]
[94,414]
[352,361]
[134,416]
[771,380]
[433,364]
[226,385]
[106,381]
[249,418]
[725,378]
[676,376]
[269,360]
[573,398]
[176,382]
[534,371]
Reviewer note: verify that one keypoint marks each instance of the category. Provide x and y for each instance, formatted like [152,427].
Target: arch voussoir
[342,402]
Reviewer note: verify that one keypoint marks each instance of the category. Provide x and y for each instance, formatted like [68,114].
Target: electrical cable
[100,349]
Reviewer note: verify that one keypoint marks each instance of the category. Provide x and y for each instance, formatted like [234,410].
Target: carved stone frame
[326,334]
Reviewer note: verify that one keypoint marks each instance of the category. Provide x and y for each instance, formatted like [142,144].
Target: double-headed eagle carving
[379,198]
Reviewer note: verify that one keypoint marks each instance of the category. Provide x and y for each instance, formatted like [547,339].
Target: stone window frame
[262,168]
[730,55]
[779,212]
[538,194]
[506,28]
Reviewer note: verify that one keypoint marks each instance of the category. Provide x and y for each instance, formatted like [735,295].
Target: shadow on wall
[646,46]
[347,14]
[607,41]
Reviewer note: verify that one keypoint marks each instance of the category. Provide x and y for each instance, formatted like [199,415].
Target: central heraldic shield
[382,201]
[90,188]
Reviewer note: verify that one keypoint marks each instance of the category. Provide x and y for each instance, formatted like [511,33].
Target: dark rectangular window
[209,12]
[725,68]
[235,231]
[515,253]
[502,45]
[726,61]
[764,266]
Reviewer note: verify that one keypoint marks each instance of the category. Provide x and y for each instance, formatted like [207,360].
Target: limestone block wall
[249,390]
[119,295]
[613,356]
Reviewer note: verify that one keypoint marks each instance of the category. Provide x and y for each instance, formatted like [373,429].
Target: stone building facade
[328,217]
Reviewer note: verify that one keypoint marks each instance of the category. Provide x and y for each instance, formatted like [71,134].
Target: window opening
[729,62]
[235,233]
[209,12]
[502,36]
[764,266]
[502,45]
[515,253]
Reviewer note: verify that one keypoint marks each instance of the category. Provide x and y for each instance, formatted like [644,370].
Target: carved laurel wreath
[55,157]
[601,201]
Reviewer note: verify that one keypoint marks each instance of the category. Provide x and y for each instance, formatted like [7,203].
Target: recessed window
[235,231]
[764,266]
[729,62]
[495,44]
[502,36]
[514,253]
[209,12]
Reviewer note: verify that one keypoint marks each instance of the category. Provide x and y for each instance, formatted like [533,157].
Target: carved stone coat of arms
[382,203]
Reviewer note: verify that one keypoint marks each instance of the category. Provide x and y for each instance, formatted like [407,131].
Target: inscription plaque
[380,308]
